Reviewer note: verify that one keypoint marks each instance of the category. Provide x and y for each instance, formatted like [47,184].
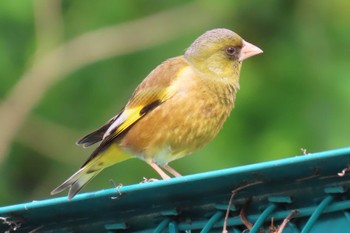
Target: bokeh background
[66,67]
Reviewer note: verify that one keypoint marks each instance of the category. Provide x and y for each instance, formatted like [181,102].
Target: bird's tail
[111,155]
[76,182]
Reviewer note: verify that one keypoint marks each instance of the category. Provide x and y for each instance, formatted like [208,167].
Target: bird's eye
[230,51]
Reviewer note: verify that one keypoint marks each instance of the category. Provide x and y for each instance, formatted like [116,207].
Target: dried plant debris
[243,216]
[304,151]
[37,229]
[234,192]
[146,180]
[117,187]
[12,225]
[280,228]
[344,171]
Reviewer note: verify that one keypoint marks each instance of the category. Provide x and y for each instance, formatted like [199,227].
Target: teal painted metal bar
[280,199]
[292,162]
[179,204]
[224,207]
[162,225]
[173,227]
[335,189]
[116,226]
[316,214]
[279,215]
[347,215]
[264,215]
[293,228]
[209,225]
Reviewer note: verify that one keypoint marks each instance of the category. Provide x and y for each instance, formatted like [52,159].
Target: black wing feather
[94,137]
[111,137]
[98,134]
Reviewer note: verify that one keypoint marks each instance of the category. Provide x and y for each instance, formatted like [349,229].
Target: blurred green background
[68,66]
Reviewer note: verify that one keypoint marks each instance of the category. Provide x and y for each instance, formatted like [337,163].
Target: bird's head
[220,52]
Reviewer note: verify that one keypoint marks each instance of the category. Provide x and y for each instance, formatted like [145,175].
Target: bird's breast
[182,124]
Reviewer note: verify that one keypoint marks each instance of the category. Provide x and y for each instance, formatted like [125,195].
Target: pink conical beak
[248,50]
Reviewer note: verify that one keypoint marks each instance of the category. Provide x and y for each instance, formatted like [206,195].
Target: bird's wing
[153,91]
[96,135]
[141,103]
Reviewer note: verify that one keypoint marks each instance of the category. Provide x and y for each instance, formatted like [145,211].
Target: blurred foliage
[295,95]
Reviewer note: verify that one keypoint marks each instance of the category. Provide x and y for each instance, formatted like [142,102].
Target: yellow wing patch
[149,95]
[131,116]
[141,103]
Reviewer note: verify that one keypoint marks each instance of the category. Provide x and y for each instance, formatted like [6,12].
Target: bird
[178,108]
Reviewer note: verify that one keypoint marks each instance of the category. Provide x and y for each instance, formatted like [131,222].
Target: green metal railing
[299,194]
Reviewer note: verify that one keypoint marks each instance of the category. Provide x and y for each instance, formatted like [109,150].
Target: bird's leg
[159,171]
[172,170]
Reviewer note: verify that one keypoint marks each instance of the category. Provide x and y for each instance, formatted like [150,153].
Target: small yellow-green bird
[178,108]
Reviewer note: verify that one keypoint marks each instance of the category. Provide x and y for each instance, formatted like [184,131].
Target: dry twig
[280,229]
[234,192]
[286,221]
[13,225]
[304,151]
[117,187]
[344,171]
[243,216]
[36,229]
